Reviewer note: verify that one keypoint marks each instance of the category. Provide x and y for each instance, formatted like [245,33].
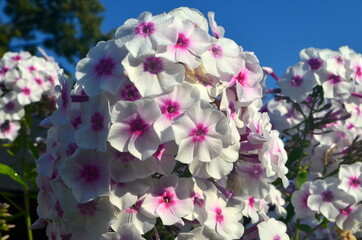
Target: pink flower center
[242,77]
[153,65]
[5,126]
[167,198]
[314,63]
[219,217]
[305,199]
[26,91]
[354,182]
[198,134]
[182,41]
[130,93]
[77,121]
[90,173]
[327,196]
[346,211]
[170,109]
[97,122]
[31,68]
[138,126]
[38,81]
[296,81]
[145,29]
[198,200]
[277,237]
[4,70]
[71,149]
[334,79]
[105,66]
[16,58]
[350,126]
[358,110]
[251,202]
[88,208]
[358,71]
[216,50]
[10,106]
[135,207]
[339,59]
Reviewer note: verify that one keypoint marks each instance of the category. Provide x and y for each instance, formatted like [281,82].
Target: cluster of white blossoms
[339,75]
[337,198]
[162,125]
[24,79]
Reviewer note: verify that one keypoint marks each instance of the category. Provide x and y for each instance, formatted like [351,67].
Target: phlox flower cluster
[162,128]
[337,198]
[24,80]
[324,88]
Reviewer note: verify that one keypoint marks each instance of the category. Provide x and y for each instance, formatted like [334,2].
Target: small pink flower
[169,200]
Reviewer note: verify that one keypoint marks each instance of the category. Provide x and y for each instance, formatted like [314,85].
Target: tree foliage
[68,27]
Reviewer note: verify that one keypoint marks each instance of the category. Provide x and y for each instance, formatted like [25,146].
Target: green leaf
[304,228]
[302,177]
[6,170]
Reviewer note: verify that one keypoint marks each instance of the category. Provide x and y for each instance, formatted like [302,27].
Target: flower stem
[27,214]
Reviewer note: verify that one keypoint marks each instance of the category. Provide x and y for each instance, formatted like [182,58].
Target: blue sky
[276,30]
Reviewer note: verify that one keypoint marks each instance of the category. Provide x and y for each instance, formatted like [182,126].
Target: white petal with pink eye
[312,57]
[10,108]
[173,105]
[222,219]
[100,213]
[349,217]
[351,179]
[335,85]
[223,56]
[101,69]
[132,129]
[201,133]
[153,75]
[191,42]
[169,200]
[298,82]
[299,201]
[95,124]
[27,92]
[127,92]
[355,67]
[9,130]
[272,229]
[142,36]
[248,79]
[327,199]
[87,174]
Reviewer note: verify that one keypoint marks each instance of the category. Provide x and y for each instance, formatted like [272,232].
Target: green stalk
[25,175]
[27,214]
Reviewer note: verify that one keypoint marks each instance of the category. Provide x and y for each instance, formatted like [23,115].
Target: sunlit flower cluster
[337,198]
[325,89]
[24,80]
[162,128]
